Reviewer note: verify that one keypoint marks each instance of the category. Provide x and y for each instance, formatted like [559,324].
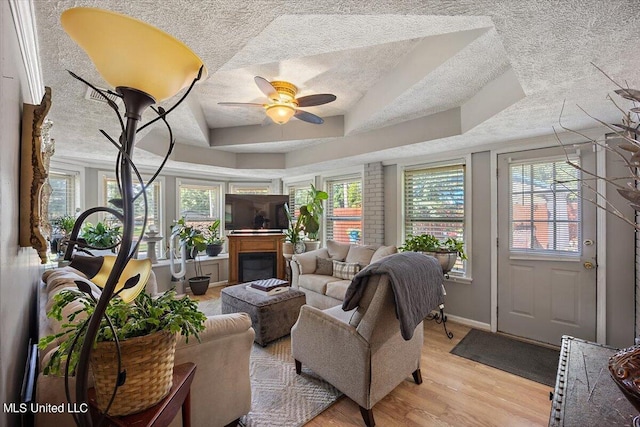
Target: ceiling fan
[283,103]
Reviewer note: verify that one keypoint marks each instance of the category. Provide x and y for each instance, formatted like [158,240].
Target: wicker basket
[148,361]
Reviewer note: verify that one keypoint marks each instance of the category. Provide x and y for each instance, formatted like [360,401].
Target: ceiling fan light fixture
[280,113]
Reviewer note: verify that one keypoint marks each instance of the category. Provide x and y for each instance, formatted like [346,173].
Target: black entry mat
[526,360]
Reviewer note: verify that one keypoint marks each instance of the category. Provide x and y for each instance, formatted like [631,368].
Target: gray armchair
[360,352]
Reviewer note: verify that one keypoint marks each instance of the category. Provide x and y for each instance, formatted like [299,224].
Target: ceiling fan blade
[267,88]
[240,104]
[319,99]
[308,117]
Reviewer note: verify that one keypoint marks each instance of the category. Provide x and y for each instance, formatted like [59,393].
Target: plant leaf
[632,94]
[629,147]
[631,195]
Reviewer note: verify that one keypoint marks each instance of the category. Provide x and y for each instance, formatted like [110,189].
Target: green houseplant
[195,242]
[101,235]
[212,238]
[311,213]
[446,251]
[62,228]
[146,318]
[292,239]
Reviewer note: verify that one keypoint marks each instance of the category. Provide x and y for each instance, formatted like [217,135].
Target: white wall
[19,267]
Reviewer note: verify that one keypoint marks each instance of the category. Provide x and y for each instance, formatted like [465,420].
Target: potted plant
[212,238]
[101,236]
[446,251]
[145,324]
[310,215]
[195,242]
[62,228]
[292,241]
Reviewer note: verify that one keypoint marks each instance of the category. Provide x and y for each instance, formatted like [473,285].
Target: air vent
[92,95]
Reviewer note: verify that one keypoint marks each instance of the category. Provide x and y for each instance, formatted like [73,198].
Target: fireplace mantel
[254,243]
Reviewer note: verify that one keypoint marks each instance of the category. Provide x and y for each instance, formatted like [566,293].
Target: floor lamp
[145,66]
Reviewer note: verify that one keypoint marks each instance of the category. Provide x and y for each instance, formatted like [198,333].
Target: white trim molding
[24,21]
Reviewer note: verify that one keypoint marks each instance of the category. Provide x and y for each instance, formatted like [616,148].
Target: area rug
[534,362]
[280,397]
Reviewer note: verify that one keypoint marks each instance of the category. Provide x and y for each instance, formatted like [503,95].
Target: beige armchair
[360,352]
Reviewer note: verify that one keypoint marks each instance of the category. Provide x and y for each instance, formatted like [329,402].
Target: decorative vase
[199,284]
[624,367]
[148,361]
[299,247]
[214,250]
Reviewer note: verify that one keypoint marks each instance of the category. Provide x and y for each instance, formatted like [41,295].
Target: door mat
[534,362]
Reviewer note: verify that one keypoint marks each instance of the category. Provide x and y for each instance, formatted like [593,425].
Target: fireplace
[256,265]
[250,245]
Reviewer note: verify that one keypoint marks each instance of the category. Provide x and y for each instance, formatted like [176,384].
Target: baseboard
[468,322]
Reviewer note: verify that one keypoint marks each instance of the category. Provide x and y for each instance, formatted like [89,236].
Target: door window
[545,209]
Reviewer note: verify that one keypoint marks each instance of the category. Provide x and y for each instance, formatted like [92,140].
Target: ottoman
[272,316]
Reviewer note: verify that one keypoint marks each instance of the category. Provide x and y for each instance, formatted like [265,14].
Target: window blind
[199,203]
[154,210]
[434,203]
[63,196]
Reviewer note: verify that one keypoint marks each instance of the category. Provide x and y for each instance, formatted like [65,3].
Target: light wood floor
[454,392]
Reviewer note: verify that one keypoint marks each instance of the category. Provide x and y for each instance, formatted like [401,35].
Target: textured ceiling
[496,70]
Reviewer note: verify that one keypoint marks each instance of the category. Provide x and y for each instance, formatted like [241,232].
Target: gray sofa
[221,389]
[324,287]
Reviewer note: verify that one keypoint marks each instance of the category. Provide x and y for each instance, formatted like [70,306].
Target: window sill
[459,279]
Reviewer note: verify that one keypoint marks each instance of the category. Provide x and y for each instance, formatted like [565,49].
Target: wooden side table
[164,411]
[585,394]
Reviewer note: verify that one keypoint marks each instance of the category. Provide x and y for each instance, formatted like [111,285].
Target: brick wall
[373,204]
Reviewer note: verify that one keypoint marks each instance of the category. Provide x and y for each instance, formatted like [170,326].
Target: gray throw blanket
[416,280]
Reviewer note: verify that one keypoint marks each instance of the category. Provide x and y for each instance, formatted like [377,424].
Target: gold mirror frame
[34,170]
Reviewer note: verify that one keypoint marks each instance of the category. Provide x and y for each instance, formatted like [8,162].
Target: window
[545,207]
[344,210]
[199,202]
[62,201]
[434,203]
[298,196]
[109,190]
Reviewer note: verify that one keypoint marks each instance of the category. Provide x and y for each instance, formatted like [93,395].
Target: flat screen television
[254,212]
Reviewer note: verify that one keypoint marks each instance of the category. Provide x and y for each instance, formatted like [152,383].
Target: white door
[546,246]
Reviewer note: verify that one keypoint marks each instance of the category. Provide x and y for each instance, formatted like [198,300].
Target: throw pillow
[306,262]
[382,252]
[324,266]
[360,254]
[337,250]
[345,270]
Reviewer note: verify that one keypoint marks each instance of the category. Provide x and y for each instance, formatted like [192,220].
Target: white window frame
[204,183]
[467,277]
[328,180]
[161,205]
[296,184]
[75,182]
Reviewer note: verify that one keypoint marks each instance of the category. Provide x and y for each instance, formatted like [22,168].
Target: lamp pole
[135,102]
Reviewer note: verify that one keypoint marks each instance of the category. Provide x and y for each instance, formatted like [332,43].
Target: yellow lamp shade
[134,266]
[280,113]
[130,53]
